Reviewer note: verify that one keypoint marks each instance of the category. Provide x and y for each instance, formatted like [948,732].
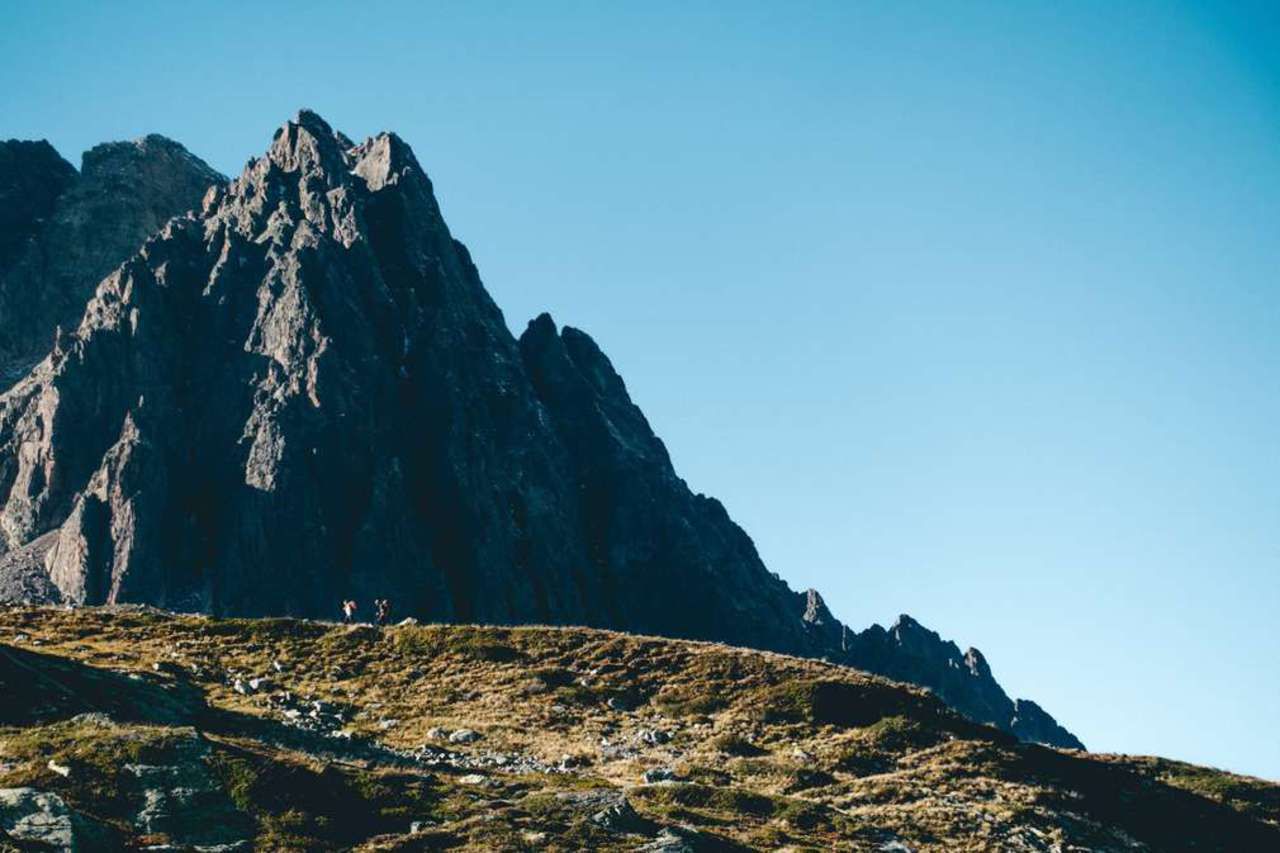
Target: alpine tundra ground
[136,729]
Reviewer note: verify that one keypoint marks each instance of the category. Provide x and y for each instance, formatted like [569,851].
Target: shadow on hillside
[39,687]
[43,688]
[1159,815]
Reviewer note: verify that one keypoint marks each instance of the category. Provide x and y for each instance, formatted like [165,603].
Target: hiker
[383,608]
[348,611]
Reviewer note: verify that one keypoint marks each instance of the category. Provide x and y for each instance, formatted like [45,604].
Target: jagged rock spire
[303,393]
[62,231]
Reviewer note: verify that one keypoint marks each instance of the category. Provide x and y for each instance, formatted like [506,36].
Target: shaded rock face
[32,177]
[61,231]
[303,393]
[910,652]
[32,819]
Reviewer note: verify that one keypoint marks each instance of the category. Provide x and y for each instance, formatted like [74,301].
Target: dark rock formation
[62,231]
[32,177]
[910,652]
[303,393]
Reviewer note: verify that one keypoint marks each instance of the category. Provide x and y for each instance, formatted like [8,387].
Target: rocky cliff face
[61,231]
[302,392]
[910,652]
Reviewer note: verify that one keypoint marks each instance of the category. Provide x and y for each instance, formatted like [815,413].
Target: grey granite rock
[302,393]
[27,814]
[62,231]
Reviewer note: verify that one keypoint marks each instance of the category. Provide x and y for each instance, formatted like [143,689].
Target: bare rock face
[303,393]
[32,178]
[910,652]
[62,231]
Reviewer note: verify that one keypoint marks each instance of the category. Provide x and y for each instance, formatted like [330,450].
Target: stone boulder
[27,814]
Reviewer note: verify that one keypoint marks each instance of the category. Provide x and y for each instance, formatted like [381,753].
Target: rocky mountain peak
[383,159]
[976,663]
[910,652]
[309,144]
[815,609]
[141,159]
[32,177]
[904,624]
[62,231]
[303,393]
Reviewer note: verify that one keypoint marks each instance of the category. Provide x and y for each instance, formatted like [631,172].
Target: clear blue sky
[963,310]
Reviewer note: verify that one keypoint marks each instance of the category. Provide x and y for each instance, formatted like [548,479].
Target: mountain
[130,729]
[62,231]
[302,392]
[909,652]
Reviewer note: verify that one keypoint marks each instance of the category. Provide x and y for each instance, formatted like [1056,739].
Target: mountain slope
[302,393]
[61,231]
[134,728]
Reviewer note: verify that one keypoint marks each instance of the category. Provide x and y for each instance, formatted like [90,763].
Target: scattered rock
[94,718]
[673,840]
[652,737]
[464,736]
[806,778]
[658,775]
[27,814]
[186,803]
[620,817]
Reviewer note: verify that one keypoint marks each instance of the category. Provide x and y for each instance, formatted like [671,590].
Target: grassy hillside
[286,735]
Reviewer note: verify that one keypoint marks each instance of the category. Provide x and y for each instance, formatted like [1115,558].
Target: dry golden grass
[767,751]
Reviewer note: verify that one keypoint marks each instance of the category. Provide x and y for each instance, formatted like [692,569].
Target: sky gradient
[967,312]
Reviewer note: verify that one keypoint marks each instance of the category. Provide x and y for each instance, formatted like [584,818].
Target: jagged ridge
[303,392]
[62,231]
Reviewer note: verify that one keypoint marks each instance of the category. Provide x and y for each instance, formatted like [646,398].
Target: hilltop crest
[133,727]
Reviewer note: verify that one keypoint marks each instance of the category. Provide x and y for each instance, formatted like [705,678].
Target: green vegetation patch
[688,701]
[722,802]
[1253,797]
[303,806]
[93,753]
[731,743]
[825,702]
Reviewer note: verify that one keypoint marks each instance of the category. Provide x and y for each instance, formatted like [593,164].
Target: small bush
[901,734]
[735,801]
[487,652]
[552,677]
[688,702]
[580,694]
[804,779]
[801,814]
[735,744]
[829,703]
